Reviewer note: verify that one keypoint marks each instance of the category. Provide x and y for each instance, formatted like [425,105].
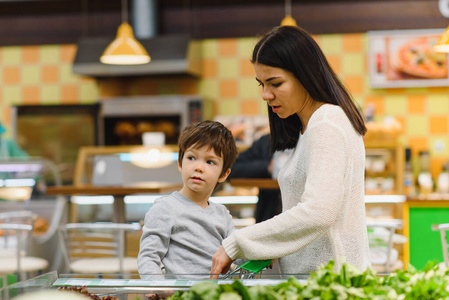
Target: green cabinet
[424,243]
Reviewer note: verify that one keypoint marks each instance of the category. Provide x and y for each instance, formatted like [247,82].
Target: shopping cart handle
[255,266]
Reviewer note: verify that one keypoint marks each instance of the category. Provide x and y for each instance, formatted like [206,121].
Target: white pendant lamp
[288,19]
[125,49]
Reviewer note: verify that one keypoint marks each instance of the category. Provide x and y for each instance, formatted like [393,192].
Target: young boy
[184,229]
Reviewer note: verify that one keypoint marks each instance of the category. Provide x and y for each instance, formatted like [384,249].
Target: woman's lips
[275,109]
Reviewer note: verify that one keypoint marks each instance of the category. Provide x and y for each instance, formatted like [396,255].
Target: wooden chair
[97,248]
[17,229]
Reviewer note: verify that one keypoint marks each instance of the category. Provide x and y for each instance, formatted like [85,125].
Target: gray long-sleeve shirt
[182,236]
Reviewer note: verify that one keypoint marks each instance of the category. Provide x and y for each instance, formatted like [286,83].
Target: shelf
[385,198]
[387,161]
[380,174]
[381,144]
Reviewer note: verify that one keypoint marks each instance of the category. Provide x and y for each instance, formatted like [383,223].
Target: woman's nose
[267,94]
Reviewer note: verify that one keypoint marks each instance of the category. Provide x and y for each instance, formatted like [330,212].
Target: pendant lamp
[125,49]
[443,43]
[288,19]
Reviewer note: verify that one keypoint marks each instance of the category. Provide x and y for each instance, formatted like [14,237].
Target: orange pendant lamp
[125,49]
[288,19]
[443,43]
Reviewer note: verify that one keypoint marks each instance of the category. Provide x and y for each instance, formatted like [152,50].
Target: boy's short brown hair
[213,135]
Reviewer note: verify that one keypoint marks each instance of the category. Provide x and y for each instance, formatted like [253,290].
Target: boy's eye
[190,158]
[211,162]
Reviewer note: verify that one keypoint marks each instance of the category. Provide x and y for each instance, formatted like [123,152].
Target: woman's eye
[277,84]
[260,83]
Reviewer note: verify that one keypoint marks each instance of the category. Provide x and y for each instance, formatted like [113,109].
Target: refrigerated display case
[126,286]
[22,187]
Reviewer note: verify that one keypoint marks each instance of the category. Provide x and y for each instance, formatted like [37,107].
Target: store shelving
[385,164]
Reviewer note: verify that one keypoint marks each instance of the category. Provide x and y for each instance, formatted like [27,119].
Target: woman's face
[281,89]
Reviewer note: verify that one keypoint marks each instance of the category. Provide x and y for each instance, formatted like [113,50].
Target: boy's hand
[221,263]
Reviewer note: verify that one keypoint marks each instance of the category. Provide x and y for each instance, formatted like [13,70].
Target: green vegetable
[348,283]
[230,296]
[206,290]
[241,289]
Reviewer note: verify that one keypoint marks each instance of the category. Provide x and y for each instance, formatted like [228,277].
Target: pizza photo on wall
[405,58]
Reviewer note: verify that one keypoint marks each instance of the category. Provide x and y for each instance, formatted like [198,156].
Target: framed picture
[405,58]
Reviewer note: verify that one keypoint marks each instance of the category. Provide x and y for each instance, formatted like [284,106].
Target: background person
[8,147]
[256,162]
[322,183]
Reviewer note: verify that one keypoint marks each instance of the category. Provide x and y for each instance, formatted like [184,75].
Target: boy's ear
[225,175]
[179,166]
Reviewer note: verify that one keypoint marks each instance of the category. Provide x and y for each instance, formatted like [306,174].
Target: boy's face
[201,169]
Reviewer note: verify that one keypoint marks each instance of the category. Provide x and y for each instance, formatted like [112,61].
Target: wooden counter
[118,192]
[262,183]
[144,188]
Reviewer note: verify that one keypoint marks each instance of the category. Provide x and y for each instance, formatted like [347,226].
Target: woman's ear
[225,175]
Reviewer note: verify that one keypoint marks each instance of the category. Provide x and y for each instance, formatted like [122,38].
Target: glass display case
[128,286]
[23,184]
[39,283]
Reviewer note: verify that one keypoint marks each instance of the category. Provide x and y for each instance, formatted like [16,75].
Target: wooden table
[261,183]
[118,192]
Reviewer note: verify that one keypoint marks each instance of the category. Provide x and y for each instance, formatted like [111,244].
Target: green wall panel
[425,244]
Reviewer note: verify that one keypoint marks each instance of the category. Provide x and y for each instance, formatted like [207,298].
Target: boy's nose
[199,168]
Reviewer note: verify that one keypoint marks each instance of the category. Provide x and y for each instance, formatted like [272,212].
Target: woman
[322,185]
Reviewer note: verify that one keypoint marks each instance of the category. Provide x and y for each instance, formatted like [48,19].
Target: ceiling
[25,22]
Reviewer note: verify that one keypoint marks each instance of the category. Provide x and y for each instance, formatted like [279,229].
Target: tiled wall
[34,75]
[423,112]
[42,75]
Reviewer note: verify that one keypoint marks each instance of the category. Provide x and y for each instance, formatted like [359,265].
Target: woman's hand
[221,263]
[270,266]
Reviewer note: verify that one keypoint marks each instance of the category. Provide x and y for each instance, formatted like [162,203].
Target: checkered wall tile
[33,75]
[43,75]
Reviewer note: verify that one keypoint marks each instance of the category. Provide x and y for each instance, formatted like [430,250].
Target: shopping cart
[248,270]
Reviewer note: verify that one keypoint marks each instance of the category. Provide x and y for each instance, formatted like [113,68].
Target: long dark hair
[293,49]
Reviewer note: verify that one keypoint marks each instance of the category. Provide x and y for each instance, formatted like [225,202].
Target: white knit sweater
[322,187]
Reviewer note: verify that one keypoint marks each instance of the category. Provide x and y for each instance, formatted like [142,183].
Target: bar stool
[442,228]
[390,226]
[17,228]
